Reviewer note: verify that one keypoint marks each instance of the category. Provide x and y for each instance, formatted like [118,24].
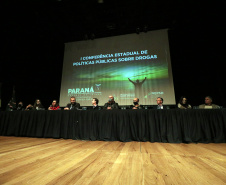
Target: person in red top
[54,106]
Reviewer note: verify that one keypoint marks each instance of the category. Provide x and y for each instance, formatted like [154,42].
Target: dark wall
[197,65]
[33,36]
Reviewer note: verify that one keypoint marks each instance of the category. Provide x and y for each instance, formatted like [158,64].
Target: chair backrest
[41,109]
[123,107]
[195,107]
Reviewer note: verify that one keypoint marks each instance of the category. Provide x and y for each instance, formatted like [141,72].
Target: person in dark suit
[11,105]
[20,106]
[73,105]
[95,102]
[160,105]
[38,105]
[136,104]
[111,104]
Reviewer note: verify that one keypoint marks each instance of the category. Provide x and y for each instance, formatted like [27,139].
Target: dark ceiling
[33,34]
[68,20]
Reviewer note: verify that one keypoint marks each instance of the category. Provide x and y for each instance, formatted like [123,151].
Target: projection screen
[127,66]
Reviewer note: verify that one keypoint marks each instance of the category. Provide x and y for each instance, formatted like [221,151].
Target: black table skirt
[173,126]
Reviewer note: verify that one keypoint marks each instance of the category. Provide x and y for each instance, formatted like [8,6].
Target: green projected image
[112,72]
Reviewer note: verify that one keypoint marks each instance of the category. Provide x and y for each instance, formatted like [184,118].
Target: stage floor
[26,160]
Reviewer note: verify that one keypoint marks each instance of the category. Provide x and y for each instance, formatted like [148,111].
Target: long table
[173,126]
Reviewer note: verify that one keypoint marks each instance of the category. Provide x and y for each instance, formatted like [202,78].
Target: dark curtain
[172,126]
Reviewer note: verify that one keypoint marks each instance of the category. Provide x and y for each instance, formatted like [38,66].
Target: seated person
[29,107]
[136,104]
[73,105]
[11,106]
[208,104]
[20,106]
[38,105]
[160,105]
[183,103]
[111,104]
[54,106]
[95,102]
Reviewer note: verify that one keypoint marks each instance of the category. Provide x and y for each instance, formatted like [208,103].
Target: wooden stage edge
[26,160]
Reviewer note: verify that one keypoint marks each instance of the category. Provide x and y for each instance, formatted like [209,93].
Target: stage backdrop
[127,66]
